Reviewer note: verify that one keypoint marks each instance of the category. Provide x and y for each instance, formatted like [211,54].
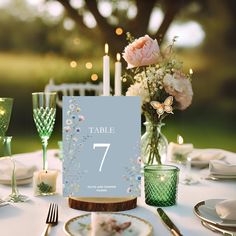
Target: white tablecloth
[28,219]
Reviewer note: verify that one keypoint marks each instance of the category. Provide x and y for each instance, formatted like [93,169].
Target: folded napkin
[206,155]
[226,209]
[23,170]
[221,167]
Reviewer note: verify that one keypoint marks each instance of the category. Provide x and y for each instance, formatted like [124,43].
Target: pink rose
[180,87]
[143,51]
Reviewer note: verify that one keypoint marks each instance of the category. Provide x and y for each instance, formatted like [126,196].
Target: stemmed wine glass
[188,178]
[44,114]
[5,146]
[5,114]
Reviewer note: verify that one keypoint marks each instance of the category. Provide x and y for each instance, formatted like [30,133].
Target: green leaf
[44,188]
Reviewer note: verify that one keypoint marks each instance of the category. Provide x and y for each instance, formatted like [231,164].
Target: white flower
[180,87]
[139,89]
[160,73]
[170,81]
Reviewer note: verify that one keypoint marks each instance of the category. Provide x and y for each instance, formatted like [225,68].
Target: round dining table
[29,218]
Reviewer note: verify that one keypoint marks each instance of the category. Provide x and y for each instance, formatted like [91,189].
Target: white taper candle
[106,72]
[118,69]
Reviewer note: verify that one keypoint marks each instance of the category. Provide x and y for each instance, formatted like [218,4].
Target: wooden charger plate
[103,204]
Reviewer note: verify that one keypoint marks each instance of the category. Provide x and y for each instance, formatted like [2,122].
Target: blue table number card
[101,146]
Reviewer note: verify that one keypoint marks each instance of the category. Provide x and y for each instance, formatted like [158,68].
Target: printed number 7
[107,146]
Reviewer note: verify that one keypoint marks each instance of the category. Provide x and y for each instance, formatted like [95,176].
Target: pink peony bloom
[143,51]
[180,87]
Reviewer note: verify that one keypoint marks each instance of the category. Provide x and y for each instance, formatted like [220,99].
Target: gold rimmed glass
[44,114]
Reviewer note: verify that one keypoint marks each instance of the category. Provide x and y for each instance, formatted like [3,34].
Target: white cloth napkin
[23,170]
[221,167]
[226,209]
[206,155]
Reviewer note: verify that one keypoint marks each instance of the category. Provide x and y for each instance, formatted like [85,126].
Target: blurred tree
[137,26]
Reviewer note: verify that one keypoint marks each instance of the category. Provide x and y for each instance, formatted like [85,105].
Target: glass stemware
[5,114]
[44,114]
[15,196]
[5,146]
[188,178]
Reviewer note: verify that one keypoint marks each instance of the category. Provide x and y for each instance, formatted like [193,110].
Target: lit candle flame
[118,56]
[180,139]
[162,178]
[190,71]
[2,112]
[106,48]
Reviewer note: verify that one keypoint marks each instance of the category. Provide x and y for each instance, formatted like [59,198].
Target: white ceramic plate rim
[223,176]
[18,181]
[211,204]
[150,233]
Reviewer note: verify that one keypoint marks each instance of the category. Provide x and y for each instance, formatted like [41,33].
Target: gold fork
[52,218]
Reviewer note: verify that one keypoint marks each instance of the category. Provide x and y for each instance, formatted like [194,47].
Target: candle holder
[178,152]
[161,182]
[45,182]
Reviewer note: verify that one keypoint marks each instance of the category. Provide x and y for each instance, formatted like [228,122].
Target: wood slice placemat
[103,204]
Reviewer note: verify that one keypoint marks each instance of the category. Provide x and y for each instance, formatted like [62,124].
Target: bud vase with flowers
[158,78]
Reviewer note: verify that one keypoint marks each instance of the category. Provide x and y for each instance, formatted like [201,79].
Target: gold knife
[167,221]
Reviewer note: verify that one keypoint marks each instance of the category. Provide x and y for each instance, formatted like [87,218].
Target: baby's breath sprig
[129,37]
[126,77]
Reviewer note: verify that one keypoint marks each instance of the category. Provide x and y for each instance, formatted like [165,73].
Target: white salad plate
[80,225]
[206,211]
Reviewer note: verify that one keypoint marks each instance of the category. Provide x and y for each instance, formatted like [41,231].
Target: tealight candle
[44,182]
[106,72]
[118,76]
[178,151]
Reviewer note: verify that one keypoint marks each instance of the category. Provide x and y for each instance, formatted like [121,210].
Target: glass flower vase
[153,144]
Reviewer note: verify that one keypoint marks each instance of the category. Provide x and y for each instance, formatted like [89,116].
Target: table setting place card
[101,146]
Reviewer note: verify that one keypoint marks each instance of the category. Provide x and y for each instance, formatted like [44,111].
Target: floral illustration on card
[73,143]
[132,173]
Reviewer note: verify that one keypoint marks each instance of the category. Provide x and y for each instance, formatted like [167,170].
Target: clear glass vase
[153,144]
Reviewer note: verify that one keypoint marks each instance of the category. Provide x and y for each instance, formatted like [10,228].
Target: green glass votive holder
[161,184]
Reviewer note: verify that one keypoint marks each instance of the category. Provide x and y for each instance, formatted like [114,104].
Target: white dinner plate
[18,181]
[229,177]
[206,211]
[80,225]
[210,154]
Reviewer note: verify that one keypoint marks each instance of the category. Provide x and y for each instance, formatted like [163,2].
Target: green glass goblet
[44,114]
[5,114]
[15,196]
[5,146]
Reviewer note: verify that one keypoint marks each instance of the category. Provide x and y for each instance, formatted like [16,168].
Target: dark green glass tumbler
[161,185]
